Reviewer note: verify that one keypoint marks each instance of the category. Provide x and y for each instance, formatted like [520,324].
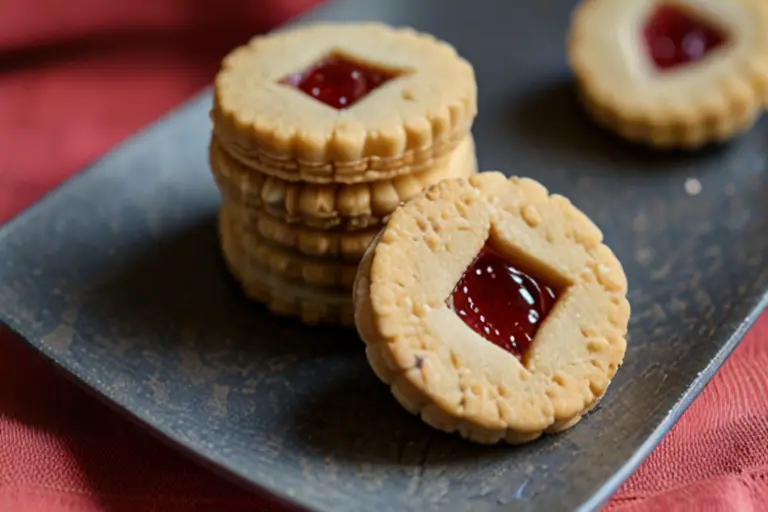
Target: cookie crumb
[692,187]
[644,255]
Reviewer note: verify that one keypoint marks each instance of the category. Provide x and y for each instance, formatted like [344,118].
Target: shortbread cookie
[355,206]
[343,102]
[672,73]
[314,305]
[339,244]
[356,172]
[493,309]
[288,264]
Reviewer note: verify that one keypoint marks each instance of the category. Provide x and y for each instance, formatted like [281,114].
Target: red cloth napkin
[76,77]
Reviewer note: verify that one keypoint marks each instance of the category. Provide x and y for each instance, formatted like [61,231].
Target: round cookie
[412,99]
[671,73]
[350,206]
[288,264]
[344,245]
[464,376]
[358,172]
[313,305]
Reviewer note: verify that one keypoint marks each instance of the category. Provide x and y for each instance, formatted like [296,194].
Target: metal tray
[116,277]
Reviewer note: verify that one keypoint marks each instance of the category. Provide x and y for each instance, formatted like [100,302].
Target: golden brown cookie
[288,264]
[314,305]
[672,73]
[350,206]
[493,309]
[338,244]
[358,172]
[298,199]
[343,102]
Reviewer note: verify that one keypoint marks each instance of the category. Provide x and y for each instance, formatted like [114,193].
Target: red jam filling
[338,82]
[500,302]
[674,37]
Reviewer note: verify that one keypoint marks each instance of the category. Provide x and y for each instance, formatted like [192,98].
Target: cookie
[338,244]
[343,102]
[288,264]
[313,305]
[355,172]
[671,73]
[493,309]
[355,206]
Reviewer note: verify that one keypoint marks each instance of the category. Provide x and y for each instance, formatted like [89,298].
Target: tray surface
[116,277]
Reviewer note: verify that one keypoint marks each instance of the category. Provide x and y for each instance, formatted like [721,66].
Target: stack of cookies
[319,134]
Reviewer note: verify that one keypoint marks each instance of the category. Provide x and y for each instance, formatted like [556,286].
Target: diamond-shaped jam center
[674,37]
[500,302]
[338,82]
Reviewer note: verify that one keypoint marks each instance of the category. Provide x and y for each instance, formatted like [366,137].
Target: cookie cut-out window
[501,301]
[340,81]
[675,36]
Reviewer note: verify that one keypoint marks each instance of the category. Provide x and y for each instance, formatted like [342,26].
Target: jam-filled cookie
[493,308]
[355,206]
[313,304]
[343,103]
[672,73]
[338,244]
[287,263]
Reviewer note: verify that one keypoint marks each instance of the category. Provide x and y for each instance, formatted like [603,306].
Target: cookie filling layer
[338,82]
[675,37]
[500,302]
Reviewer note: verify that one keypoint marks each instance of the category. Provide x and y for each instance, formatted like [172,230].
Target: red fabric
[76,77]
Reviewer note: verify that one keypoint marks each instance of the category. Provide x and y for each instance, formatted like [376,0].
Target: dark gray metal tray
[116,277]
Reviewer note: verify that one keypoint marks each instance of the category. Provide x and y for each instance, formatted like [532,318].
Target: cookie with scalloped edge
[338,244]
[374,169]
[414,97]
[289,264]
[312,304]
[327,206]
[461,376]
[671,73]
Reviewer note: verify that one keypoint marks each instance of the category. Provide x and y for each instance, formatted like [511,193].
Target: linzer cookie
[493,309]
[343,103]
[313,304]
[332,244]
[290,264]
[672,73]
[351,206]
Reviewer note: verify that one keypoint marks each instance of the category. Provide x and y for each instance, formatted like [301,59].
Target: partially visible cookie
[314,305]
[343,102]
[289,264]
[353,172]
[339,244]
[327,206]
[672,73]
[493,309]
